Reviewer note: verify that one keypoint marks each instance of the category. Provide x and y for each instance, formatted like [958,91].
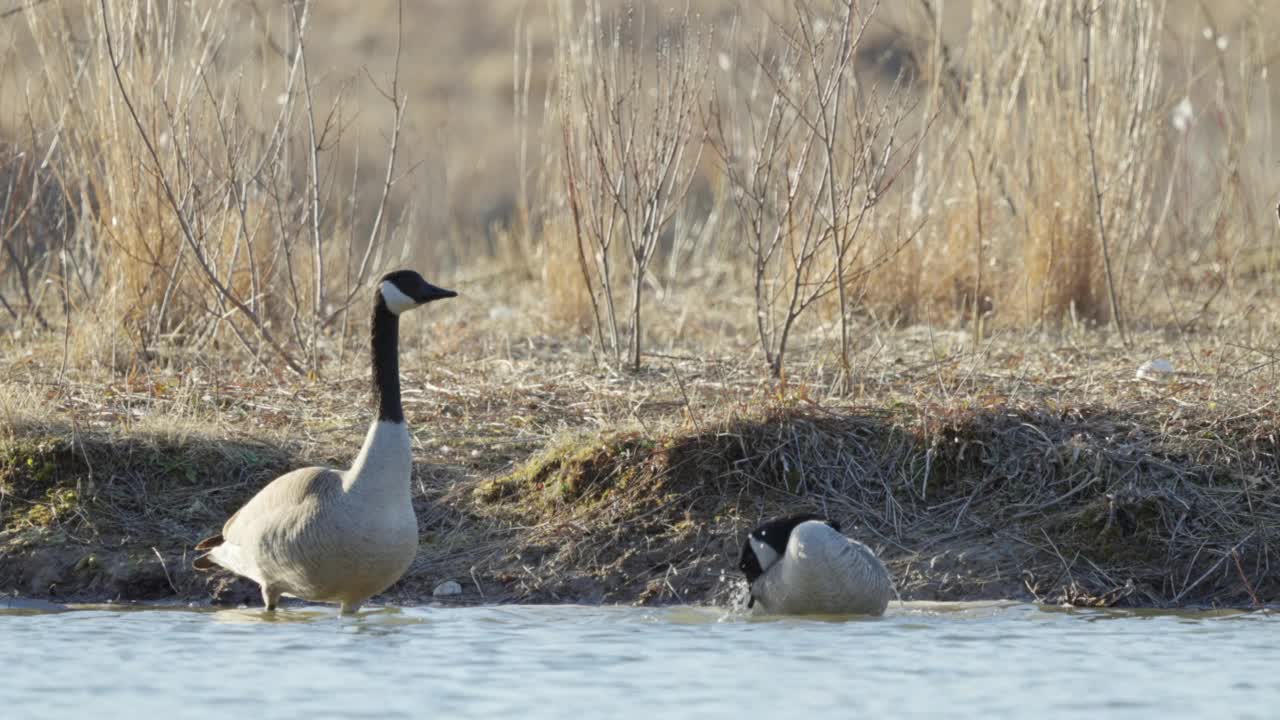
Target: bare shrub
[632,142]
[36,216]
[192,155]
[809,152]
[1219,154]
[998,220]
[1060,107]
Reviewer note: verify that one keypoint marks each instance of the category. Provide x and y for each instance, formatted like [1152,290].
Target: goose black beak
[429,293]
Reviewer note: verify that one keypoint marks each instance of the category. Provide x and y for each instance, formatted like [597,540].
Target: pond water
[920,660]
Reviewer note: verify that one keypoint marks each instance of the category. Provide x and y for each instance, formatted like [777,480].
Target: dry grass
[1022,470]
[975,476]
[995,214]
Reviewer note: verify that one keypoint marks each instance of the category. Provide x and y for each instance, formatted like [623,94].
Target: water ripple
[925,659]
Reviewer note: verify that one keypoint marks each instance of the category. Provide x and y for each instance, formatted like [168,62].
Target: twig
[1177,598]
[66,312]
[572,184]
[1066,567]
[1248,586]
[389,179]
[688,405]
[313,186]
[1087,17]
[977,282]
[165,568]
[21,8]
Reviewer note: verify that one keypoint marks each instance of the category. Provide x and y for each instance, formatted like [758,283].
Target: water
[989,661]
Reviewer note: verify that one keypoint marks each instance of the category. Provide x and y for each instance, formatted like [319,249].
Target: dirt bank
[1140,504]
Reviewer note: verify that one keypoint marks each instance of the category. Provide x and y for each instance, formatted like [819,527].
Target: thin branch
[1087,17]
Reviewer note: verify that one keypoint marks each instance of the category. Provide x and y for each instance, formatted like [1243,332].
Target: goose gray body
[815,569]
[321,534]
[330,535]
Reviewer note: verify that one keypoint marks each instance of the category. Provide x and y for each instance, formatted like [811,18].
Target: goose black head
[766,544]
[405,289]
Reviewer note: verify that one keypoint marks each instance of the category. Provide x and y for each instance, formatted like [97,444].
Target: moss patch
[571,471]
[156,488]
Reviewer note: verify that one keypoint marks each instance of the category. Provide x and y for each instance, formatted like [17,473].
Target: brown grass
[1189,210]
[1022,470]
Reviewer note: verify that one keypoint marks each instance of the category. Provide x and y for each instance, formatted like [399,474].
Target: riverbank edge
[1081,506]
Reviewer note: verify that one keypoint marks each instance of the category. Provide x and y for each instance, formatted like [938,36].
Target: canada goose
[801,564]
[338,535]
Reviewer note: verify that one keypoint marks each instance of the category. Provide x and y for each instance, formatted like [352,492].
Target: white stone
[1182,115]
[446,588]
[1155,370]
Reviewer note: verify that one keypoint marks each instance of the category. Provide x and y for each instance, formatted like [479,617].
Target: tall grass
[215,215]
[632,144]
[816,166]
[1018,126]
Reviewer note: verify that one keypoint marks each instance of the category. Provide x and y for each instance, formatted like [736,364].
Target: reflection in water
[257,615]
[939,659]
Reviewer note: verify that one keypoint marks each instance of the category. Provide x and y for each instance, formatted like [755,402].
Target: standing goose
[802,565]
[341,536]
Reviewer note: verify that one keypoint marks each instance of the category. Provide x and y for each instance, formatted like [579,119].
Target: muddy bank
[1088,506]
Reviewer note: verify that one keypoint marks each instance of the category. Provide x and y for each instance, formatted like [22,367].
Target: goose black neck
[385,340]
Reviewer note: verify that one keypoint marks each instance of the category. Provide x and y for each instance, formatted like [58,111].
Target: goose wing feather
[265,538]
[286,503]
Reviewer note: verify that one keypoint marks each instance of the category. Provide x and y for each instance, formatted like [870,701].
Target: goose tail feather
[210,543]
[204,562]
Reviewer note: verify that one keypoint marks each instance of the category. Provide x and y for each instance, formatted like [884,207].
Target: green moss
[31,469]
[157,484]
[26,462]
[580,468]
[58,502]
[89,564]
[497,489]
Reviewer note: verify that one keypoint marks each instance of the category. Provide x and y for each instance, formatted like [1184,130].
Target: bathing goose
[330,535]
[802,565]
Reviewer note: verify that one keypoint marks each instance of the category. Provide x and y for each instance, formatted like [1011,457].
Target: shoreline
[25,605]
[541,478]
[629,518]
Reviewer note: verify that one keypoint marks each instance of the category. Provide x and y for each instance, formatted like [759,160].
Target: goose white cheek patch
[397,302]
[765,554]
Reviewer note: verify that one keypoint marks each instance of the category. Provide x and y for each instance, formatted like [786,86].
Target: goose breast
[307,536]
